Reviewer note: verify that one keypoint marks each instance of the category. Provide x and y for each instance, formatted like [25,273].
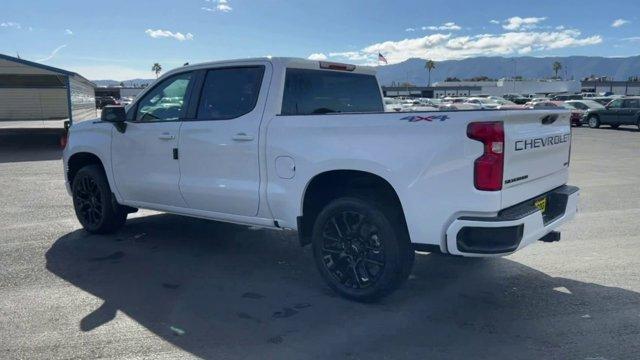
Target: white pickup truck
[305,145]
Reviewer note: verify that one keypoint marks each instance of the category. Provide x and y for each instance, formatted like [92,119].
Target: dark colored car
[625,111]
[565,97]
[104,101]
[517,99]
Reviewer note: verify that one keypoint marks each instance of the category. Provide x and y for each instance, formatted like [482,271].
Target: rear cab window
[315,92]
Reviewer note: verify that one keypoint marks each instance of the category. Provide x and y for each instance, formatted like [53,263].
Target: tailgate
[537,150]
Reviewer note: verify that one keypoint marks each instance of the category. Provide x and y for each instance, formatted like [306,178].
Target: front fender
[93,138]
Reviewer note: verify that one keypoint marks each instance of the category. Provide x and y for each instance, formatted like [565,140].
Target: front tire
[594,122]
[95,206]
[361,248]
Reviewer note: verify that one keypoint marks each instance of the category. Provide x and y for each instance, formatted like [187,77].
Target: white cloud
[352,55]
[518,23]
[493,21]
[619,22]
[446,26]
[68,32]
[219,5]
[53,53]
[317,56]
[409,29]
[168,34]
[447,47]
[10,24]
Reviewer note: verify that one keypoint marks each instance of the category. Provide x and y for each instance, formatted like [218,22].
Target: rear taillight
[64,140]
[488,168]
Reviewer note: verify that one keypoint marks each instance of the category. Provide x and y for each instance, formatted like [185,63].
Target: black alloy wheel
[362,248]
[94,203]
[88,201]
[352,251]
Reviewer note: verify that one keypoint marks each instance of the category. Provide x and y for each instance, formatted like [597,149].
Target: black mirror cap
[113,114]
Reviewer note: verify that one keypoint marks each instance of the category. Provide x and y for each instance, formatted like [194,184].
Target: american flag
[382,58]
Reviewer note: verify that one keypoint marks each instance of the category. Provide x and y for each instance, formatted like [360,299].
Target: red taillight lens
[64,139]
[488,168]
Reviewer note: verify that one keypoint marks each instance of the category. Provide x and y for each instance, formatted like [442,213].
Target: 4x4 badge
[416,118]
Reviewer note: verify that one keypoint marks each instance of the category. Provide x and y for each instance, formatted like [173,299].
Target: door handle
[166,136]
[242,137]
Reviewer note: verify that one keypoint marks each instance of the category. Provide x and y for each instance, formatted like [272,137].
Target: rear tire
[95,205]
[594,122]
[361,248]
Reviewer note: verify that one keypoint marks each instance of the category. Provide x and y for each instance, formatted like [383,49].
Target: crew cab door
[627,115]
[219,148]
[144,167]
[611,113]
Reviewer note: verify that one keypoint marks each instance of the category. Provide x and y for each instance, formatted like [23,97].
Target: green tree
[430,65]
[156,68]
[556,67]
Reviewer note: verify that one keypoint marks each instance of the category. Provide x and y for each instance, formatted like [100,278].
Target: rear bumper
[514,227]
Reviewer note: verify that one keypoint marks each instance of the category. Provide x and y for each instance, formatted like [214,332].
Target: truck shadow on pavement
[224,291]
[19,145]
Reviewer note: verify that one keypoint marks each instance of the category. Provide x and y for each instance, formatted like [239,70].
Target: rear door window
[229,93]
[312,92]
[632,103]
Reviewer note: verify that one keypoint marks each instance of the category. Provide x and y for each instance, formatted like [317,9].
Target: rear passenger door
[610,114]
[627,114]
[218,147]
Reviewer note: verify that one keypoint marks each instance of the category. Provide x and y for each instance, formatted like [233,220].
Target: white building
[32,94]
[510,86]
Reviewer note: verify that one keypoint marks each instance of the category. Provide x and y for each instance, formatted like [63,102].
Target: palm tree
[156,68]
[556,67]
[430,65]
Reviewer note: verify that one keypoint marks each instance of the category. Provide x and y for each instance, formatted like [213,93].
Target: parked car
[104,101]
[447,106]
[305,146]
[392,104]
[565,97]
[580,107]
[602,100]
[483,103]
[124,101]
[624,111]
[516,98]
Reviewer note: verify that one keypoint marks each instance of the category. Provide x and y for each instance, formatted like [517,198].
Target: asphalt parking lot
[173,287]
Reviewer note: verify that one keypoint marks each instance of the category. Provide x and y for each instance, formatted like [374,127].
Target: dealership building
[37,95]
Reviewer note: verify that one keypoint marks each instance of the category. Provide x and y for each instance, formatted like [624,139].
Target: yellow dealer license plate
[541,204]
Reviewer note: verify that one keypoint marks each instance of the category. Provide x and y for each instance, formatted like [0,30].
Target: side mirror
[115,115]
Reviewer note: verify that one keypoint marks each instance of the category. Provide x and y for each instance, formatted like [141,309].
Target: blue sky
[122,39]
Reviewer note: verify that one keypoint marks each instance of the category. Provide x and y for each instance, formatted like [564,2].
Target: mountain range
[573,67]
[414,72]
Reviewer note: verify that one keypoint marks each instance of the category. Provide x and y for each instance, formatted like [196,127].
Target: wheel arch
[331,184]
[79,160]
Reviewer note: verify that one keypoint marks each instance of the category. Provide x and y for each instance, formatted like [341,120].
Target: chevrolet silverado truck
[306,146]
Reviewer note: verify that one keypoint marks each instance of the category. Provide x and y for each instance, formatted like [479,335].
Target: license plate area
[541,204]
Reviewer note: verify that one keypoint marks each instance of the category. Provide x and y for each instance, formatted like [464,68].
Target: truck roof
[287,62]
